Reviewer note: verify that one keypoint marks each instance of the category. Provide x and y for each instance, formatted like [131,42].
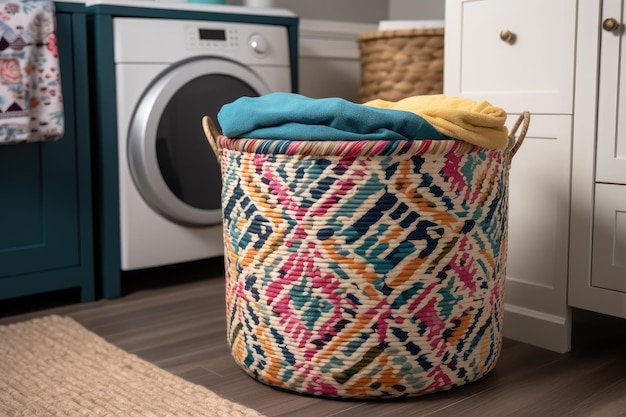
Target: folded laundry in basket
[479,123]
[31,106]
[294,116]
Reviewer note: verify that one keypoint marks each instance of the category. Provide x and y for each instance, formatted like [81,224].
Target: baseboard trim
[538,329]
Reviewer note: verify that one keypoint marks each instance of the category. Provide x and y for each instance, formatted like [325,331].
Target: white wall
[329,58]
[416,9]
[364,11]
[329,54]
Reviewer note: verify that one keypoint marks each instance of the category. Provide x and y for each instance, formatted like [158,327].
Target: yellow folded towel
[479,123]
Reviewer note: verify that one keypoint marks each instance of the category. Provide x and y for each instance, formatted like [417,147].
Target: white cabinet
[520,55]
[597,279]
[611,155]
[563,61]
[609,238]
[536,309]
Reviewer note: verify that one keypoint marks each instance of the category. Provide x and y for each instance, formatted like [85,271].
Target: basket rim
[399,33]
[351,148]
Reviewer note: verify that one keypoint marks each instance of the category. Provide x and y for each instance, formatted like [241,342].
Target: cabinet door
[45,195]
[611,151]
[609,238]
[533,70]
[39,209]
[539,195]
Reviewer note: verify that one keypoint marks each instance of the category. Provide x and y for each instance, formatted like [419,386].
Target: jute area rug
[53,366]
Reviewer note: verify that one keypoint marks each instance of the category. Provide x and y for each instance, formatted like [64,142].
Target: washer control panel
[171,40]
[214,39]
[209,38]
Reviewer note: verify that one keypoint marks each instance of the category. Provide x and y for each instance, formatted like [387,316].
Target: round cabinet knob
[507,36]
[610,24]
[259,44]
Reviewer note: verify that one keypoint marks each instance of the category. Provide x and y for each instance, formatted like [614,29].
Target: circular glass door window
[186,161]
[171,161]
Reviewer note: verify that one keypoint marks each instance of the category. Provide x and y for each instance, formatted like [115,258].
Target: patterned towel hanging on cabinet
[31,103]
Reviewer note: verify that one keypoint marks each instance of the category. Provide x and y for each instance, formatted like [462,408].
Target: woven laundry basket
[396,64]
[366,269]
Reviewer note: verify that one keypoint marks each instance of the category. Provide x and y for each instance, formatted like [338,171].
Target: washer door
[172,164]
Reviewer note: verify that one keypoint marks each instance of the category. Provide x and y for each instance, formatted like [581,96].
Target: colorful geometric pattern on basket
[376,271]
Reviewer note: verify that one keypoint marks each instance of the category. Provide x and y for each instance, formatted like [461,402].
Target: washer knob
[259,44]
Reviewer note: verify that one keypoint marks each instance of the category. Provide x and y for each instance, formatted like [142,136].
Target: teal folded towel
[296,117]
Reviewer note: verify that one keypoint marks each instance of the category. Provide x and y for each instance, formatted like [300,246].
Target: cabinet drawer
[609,238]
[533,71]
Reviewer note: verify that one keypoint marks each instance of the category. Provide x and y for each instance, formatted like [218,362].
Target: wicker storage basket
[396,64]
[366,269]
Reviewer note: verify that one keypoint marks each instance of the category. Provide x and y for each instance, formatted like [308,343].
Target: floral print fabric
[31,103]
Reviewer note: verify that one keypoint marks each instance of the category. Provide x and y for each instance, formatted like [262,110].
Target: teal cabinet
[46,227]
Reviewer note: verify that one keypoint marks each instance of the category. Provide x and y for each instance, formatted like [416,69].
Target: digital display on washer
[212,35]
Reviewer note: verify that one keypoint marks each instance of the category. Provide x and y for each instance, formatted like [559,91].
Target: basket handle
[524,121]
[212,133]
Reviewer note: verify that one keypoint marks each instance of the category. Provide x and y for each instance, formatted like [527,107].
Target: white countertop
[198,7]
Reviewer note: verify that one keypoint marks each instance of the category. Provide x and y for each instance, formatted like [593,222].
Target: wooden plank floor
[179,324]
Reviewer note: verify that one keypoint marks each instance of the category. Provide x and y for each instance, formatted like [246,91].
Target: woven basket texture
[369,269]
[396,64]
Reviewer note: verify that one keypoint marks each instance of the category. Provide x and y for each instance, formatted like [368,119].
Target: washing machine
[171,66]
